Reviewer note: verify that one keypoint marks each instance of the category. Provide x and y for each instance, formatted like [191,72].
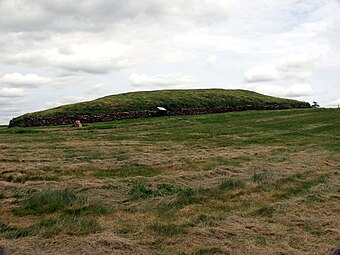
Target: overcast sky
[54,52]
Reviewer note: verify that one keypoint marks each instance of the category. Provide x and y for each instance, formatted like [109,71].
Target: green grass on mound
[170,99]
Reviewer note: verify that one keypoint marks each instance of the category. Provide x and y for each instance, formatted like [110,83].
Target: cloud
[96,88]
[211,60]
[296,90]
[333,103]
[161,80]
[11,92]
[80,53]
[11,103]
[97,15]
[28,80]
[101,36]
[262,74]
[67,100]
[295,68]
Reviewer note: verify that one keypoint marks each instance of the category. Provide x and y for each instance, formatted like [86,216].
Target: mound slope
[144,104]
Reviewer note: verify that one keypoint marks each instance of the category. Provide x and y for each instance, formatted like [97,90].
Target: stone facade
[66,120]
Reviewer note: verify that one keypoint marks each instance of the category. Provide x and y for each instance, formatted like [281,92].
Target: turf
[170,99]
[255,182]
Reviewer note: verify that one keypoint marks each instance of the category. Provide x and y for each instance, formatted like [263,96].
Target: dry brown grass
[288,203]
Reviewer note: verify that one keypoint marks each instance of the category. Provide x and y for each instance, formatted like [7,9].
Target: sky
[55,52]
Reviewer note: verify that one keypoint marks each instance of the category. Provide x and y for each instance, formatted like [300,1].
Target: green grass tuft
[139,191]
[50,227]
[209,251]
[66,201]
[302,187]
[167,229]
[232,184]
[48,201]
[264,211]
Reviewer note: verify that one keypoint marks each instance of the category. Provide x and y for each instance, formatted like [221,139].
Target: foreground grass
[263,182]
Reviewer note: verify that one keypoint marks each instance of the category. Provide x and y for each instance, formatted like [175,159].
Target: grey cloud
[11,92]
[10,107]
[162,80]
[20,80]
[70,35]
[294,91]
[91,15]
[333,103]
[295,68]
[67,100]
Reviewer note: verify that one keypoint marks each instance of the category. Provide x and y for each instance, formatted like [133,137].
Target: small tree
[315,105]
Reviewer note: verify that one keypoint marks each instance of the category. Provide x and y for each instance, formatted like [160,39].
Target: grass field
[254,182]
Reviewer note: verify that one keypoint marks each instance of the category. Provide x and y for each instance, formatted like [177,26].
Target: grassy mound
[170,99]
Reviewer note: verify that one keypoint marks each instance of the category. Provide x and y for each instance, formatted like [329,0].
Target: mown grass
[127,171]
[209,251]
[168,229]
[51,227]
[140,191]
[231,184]
[50,201]
[302,187]
[62,210]
[177,185]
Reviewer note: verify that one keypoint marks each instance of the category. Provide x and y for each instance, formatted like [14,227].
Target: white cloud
[211,60]
[11,92]
[333,103]
[295,67]
[262,74]
[97,15]
[28,80]
[161,80]
[96,88]
[296,90]
[100,36]
[67,100]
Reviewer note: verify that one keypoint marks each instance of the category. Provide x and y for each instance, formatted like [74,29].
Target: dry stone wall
[66,120]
